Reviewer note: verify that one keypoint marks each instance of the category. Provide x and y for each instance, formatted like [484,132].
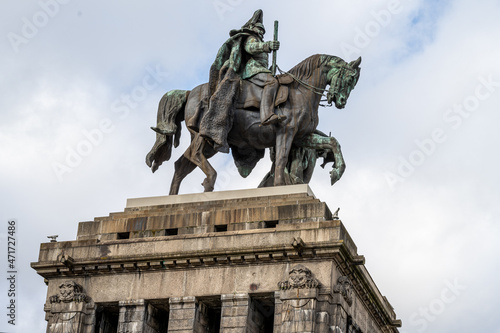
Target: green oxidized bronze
[246,109]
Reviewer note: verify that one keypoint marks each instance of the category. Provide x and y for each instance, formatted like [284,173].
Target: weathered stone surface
[150,267]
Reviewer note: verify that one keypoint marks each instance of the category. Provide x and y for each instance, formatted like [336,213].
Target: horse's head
[342,78]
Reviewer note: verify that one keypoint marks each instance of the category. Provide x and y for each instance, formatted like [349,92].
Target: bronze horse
[247,138]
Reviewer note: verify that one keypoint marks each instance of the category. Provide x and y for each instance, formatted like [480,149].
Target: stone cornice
[190,259]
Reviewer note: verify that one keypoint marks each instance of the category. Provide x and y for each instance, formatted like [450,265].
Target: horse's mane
[306,67]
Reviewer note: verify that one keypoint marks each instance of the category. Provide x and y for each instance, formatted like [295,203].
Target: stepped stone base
[263,260]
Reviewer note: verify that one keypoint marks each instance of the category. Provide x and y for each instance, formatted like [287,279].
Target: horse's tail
[168,128]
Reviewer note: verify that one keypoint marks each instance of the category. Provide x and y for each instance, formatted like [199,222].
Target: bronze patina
[245,108]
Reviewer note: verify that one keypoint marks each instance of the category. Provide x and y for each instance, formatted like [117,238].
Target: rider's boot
[267,115]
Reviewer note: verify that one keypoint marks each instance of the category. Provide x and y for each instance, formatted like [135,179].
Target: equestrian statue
[245,108]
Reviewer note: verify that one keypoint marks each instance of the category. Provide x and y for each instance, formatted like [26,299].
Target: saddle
[247,98]
[250,94]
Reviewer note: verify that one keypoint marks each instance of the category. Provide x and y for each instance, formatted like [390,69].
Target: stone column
[278,306]
[339,319]
[235,313]
[136,316]
[182,313]
[342,299]
[187,315]
[322,321]
[299,310]
[299,297]
[70,311]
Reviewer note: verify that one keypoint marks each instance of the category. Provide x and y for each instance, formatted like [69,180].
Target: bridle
[327,93]
[339,83]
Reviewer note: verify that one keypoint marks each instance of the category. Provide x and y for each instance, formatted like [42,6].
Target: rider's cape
[233,51]
[224,83]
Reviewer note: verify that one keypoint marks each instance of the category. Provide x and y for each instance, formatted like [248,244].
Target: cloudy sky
[80,83]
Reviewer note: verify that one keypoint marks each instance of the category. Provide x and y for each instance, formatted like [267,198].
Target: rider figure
[243,56]
[257,72]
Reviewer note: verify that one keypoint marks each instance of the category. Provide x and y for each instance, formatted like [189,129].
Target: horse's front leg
[284,139]
[331,146]
[338,161]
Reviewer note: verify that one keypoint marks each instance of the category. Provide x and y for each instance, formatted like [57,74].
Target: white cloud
[437,225]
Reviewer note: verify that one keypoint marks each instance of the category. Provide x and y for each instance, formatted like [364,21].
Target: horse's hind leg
[198,153]
[183,167]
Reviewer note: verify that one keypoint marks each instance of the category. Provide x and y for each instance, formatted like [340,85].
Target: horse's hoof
[334,176]
[207,187]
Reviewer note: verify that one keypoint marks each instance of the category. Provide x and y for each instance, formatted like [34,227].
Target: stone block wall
[255,261]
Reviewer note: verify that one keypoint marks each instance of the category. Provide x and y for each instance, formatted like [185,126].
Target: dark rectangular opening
[220,227]
[171,232]
[209,310]
[271,224]
[261,312]
[106,318]
[123,235]
[158,314]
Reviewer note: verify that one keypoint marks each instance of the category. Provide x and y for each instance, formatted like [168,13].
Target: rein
[316,90]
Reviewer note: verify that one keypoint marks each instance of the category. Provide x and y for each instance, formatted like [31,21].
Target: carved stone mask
[299,276]
[67,291]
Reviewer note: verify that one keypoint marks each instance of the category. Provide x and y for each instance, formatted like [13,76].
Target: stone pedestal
[263,260]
